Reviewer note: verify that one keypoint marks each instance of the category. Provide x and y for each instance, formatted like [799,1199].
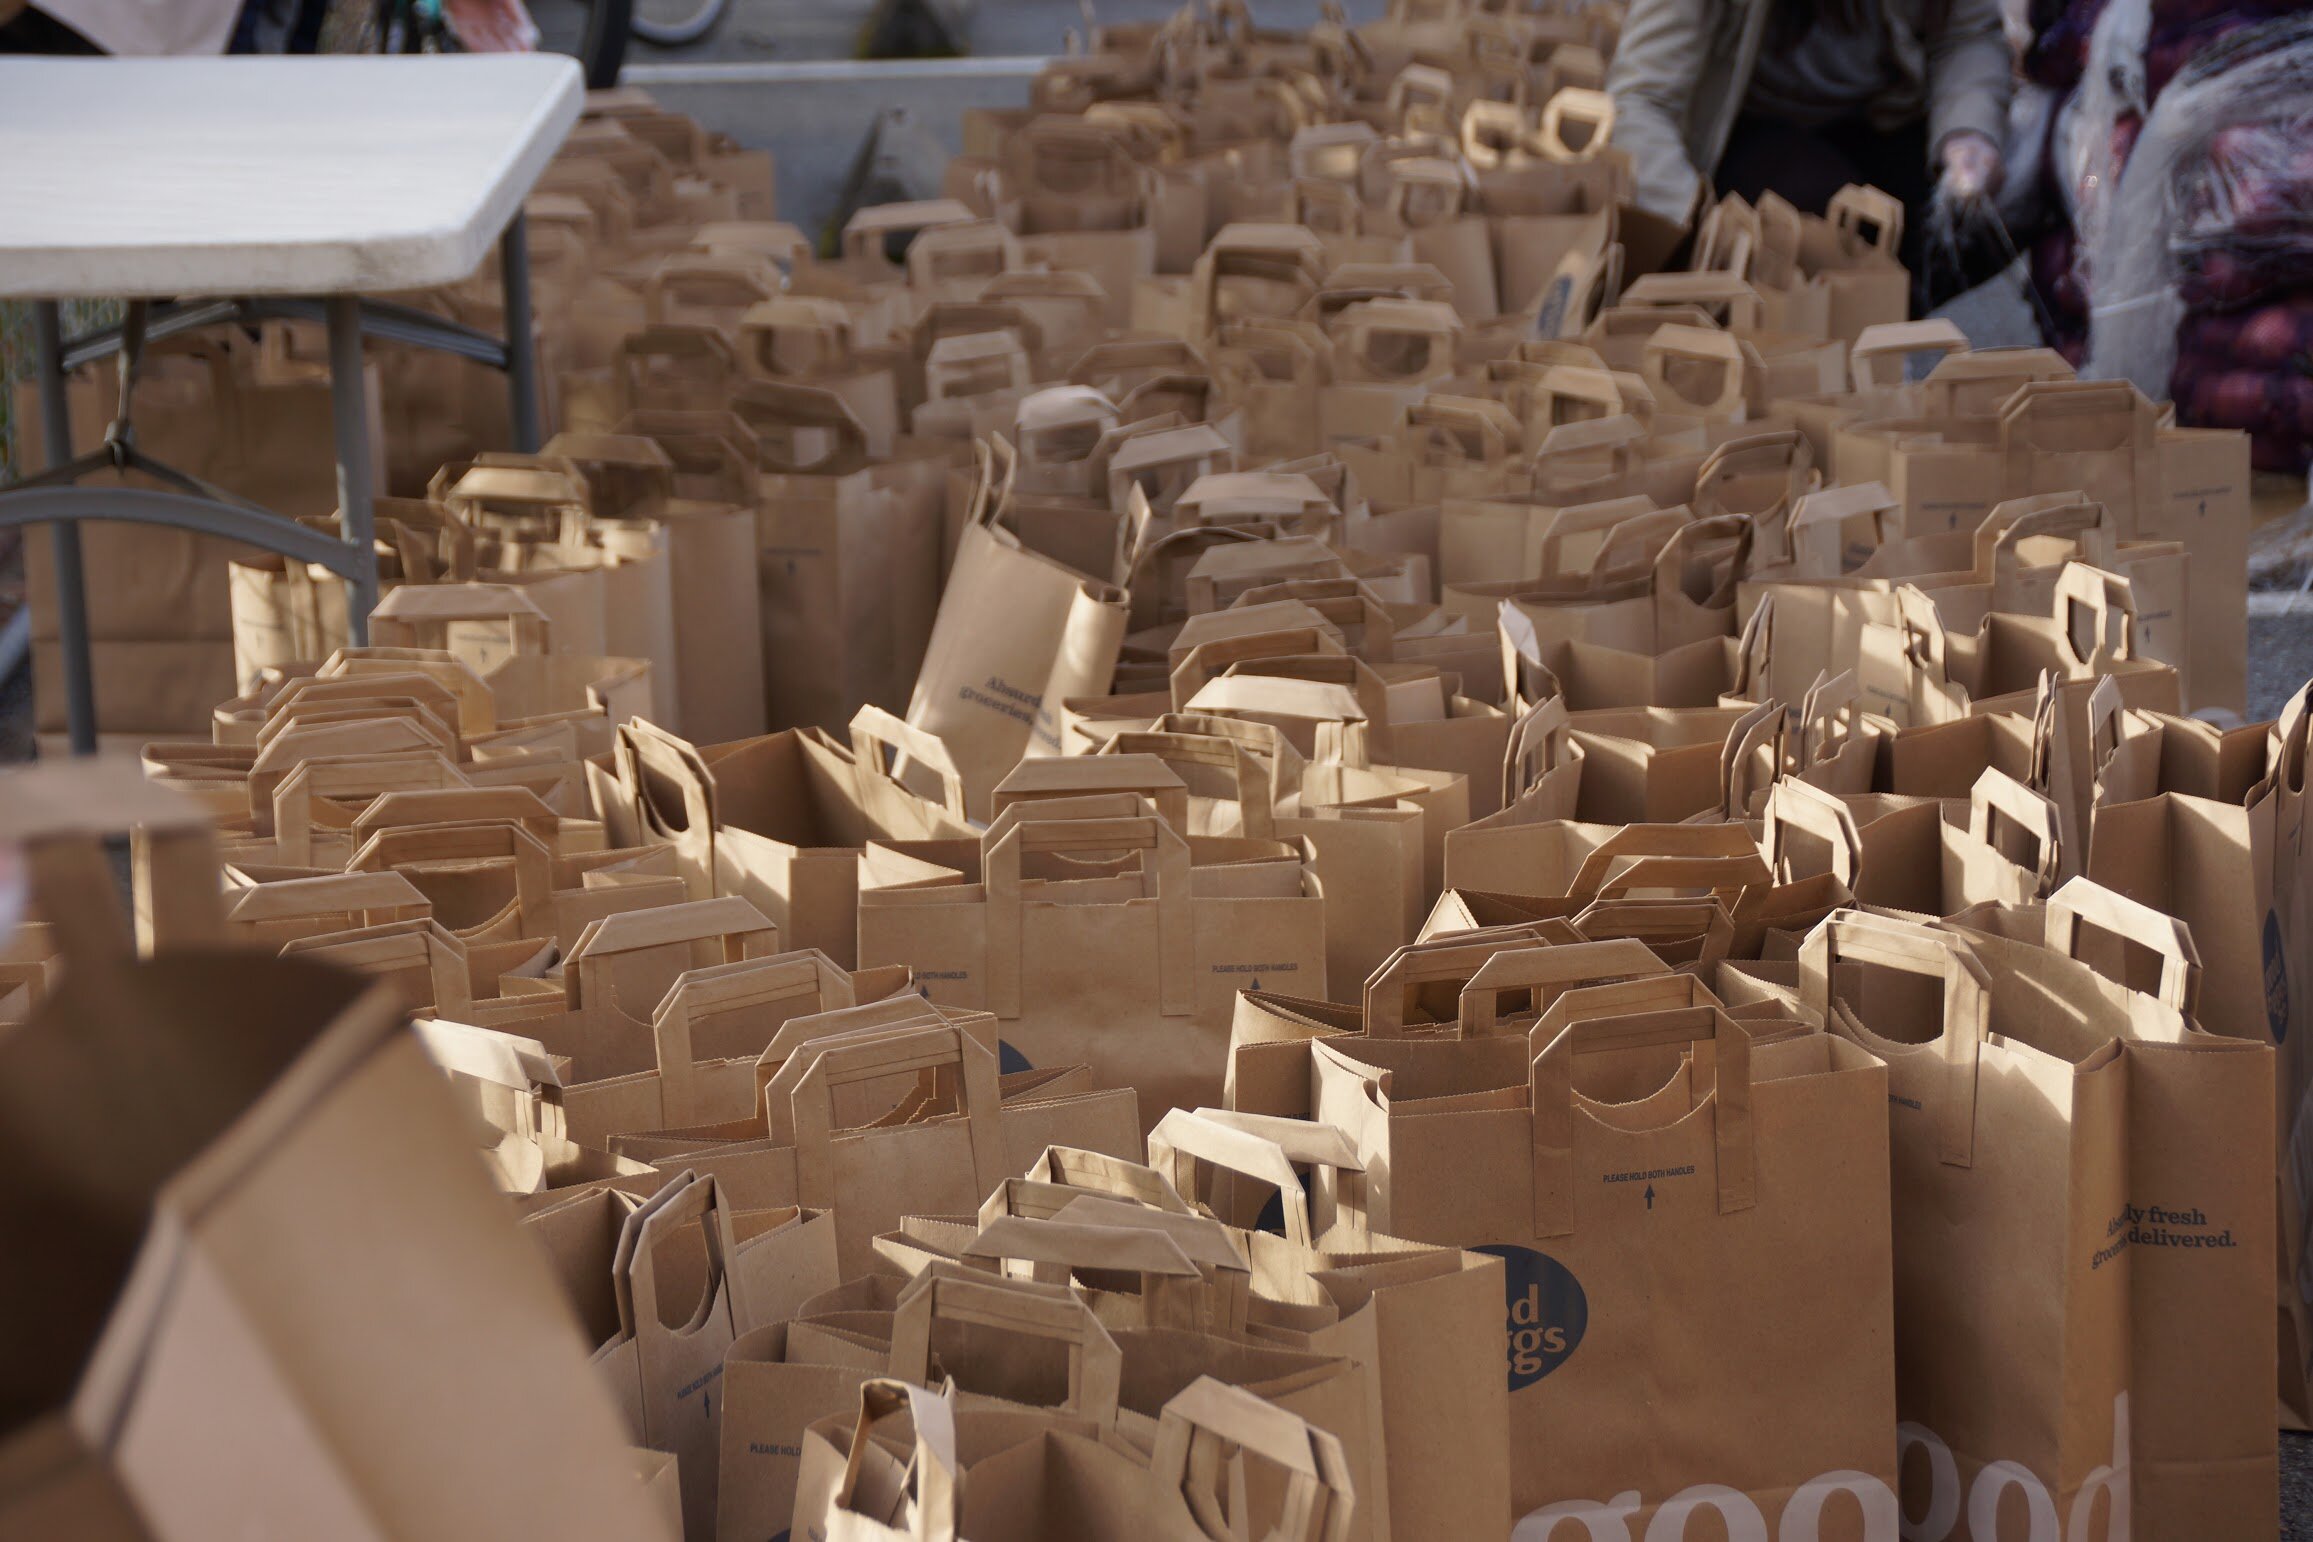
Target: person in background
[124,27]
[135,28]
[1802,97]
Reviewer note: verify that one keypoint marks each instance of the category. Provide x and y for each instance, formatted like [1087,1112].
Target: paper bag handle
[1537,745]
[1776,449]
[1551,1089]
[699,995]
[1209,1418]
[1255,1146]
[1621,436]
[1812,531]
[835,1063]
[1794,805]
[1575,104]
[644,747]
[1645,921]
[1710,875]
[1873,219]
[1054,1249]
[1608,514]
[1996,792]
[2109,602]
[389,849]
[1568,966]
[1670,564]
[1701,345]
[2086,525]
[1451,960]
[1759,730]
[1821,732]
[1915,948]
[741,929]
[1707,840]
[1898,340]
[636,1286]
[1494,132]
[751,277]
[875,731]
[1209,661]
[1255,778]
[945,1292]
[1168,864]
[1063,1174]
[2083,903]
[933,1517]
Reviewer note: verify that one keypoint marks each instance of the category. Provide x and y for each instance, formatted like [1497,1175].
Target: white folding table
[211,191]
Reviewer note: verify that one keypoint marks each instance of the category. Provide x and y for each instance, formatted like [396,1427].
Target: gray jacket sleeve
[1971,74]
[1656,67]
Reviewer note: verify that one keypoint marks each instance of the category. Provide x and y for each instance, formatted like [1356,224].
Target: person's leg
[248,37]
[1805,166]
[37,32]
[305,31]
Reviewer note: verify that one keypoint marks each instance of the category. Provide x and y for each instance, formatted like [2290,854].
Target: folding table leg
[521,350]
[349,412]
[71,576]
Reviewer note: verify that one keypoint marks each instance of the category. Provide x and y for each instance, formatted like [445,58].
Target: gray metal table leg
[349,412]
[521,350]
[71,576]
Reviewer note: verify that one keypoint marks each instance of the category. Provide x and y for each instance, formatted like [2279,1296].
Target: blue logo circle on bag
[2276,979]
[1546,1311]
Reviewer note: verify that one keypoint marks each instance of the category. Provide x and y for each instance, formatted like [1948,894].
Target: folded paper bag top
[260,1249]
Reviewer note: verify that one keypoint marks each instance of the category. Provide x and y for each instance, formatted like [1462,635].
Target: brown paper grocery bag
[1851,252]
[779,820]
[718,670]
[2201,1432]
[1423,1319]
[711,1035]
[284,611]
[1365,835]
[664,1365]
[2023,1133]
[1043,1485]
[1569,1210]
[2106,440]
[482,1421]
[2236,873]
[1566,859]
[1094,1240]
[777,1380]
[847,557]
[1128,969]
[832,1135]
[1017,633]
[1903,853]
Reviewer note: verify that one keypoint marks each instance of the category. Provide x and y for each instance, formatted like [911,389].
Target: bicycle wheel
[603,48]
[672,23]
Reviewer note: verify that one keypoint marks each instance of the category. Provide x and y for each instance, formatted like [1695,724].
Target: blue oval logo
[1545,1310]
[1009,1060]
[2276,978]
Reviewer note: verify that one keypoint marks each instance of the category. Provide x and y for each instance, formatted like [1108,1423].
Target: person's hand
[491,26]
[1972,166]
